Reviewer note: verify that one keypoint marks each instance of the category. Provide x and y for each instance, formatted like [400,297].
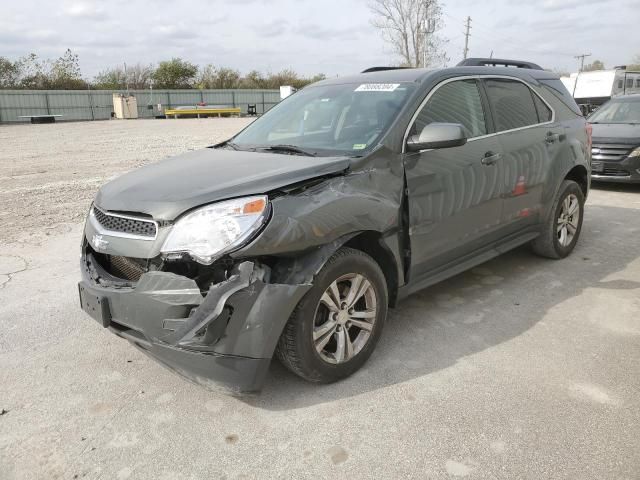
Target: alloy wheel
[568,220]
[344,318]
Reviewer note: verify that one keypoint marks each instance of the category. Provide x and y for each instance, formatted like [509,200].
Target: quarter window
[544,113]
[454,102]
[512,104]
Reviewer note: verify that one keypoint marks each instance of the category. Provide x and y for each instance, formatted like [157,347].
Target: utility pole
[581,57]
[126,78]
[429,28]
[466,37]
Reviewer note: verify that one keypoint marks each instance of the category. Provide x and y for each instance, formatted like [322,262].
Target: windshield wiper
[290,149]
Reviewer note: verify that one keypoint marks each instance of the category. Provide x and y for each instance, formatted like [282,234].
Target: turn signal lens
[255,206]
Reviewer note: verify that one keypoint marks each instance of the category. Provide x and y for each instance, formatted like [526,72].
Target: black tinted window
[512,104]
[544,112]
[455,102]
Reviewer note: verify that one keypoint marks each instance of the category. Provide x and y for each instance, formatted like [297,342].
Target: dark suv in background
[616,140]
[295,236]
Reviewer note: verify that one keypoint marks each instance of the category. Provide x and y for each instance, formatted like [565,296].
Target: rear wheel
[562,229]
[335,327]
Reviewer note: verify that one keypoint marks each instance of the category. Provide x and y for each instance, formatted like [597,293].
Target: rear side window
[544,113]
[455,102]
[512,104]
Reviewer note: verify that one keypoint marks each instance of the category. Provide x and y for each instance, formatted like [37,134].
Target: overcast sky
[330,36]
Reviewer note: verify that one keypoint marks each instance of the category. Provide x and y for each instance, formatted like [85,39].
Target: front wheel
[335,327]
[562,229]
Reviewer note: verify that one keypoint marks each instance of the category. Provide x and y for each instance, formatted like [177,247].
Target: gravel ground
[522,368]
[50,173]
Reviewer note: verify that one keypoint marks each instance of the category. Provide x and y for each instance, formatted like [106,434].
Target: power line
[488,34]
[466,38]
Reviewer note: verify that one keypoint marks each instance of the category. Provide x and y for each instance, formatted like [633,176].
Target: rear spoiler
[498,62]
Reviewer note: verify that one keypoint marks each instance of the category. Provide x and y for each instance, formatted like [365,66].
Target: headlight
[635,153]
[209,232]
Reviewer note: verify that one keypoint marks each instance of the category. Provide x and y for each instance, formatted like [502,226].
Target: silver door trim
[477,77]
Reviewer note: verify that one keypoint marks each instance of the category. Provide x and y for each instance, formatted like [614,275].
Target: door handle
[490,158]
[551,137]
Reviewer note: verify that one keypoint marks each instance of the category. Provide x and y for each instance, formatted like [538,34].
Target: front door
[454,194]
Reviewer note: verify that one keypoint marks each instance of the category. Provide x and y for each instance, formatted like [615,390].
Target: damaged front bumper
[225,337]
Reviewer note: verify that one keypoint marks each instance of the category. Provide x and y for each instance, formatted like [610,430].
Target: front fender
[365,200]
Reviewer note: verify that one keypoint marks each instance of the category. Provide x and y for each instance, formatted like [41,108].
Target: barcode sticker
[377,87]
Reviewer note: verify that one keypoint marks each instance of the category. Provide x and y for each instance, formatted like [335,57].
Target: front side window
[629,82]
[329,119]
[512,104]
[455,102]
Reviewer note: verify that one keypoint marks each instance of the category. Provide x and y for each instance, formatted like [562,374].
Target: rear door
[529,140]
[454,194]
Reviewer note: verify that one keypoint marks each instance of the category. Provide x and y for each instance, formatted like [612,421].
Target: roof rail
[498,62]
[382,69]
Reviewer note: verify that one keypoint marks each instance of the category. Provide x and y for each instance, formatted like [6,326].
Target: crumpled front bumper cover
[225,338]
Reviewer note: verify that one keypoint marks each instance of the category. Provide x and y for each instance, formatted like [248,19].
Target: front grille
[612,172]
[610,152]
[128,225]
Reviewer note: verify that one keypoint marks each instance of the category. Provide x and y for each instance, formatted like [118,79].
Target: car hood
[621,133]
[168,188]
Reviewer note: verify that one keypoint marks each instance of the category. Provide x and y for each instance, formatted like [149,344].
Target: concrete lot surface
[522,368]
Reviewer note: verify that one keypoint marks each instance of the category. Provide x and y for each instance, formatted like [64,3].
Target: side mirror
[437,135]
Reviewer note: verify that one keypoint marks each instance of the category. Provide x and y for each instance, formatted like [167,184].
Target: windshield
[618,111]
[328,120]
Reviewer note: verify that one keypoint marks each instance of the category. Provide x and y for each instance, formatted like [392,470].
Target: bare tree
[595,65]
[139,76]
[410,27]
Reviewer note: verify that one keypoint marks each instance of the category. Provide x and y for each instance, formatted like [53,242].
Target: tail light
[589,129]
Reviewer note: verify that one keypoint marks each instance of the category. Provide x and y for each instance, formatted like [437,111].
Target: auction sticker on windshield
[377,87]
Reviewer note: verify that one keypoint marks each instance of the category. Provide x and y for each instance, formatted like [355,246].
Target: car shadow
[477,310]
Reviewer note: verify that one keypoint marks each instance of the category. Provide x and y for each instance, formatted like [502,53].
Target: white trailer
[592,89]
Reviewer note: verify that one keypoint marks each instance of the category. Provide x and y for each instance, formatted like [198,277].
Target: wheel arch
[384,250]
[579,175]
[378,248]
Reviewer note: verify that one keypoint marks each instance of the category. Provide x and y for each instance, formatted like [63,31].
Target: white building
[592,89]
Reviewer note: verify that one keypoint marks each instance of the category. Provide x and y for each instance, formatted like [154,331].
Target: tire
[552,242]
[301,349]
